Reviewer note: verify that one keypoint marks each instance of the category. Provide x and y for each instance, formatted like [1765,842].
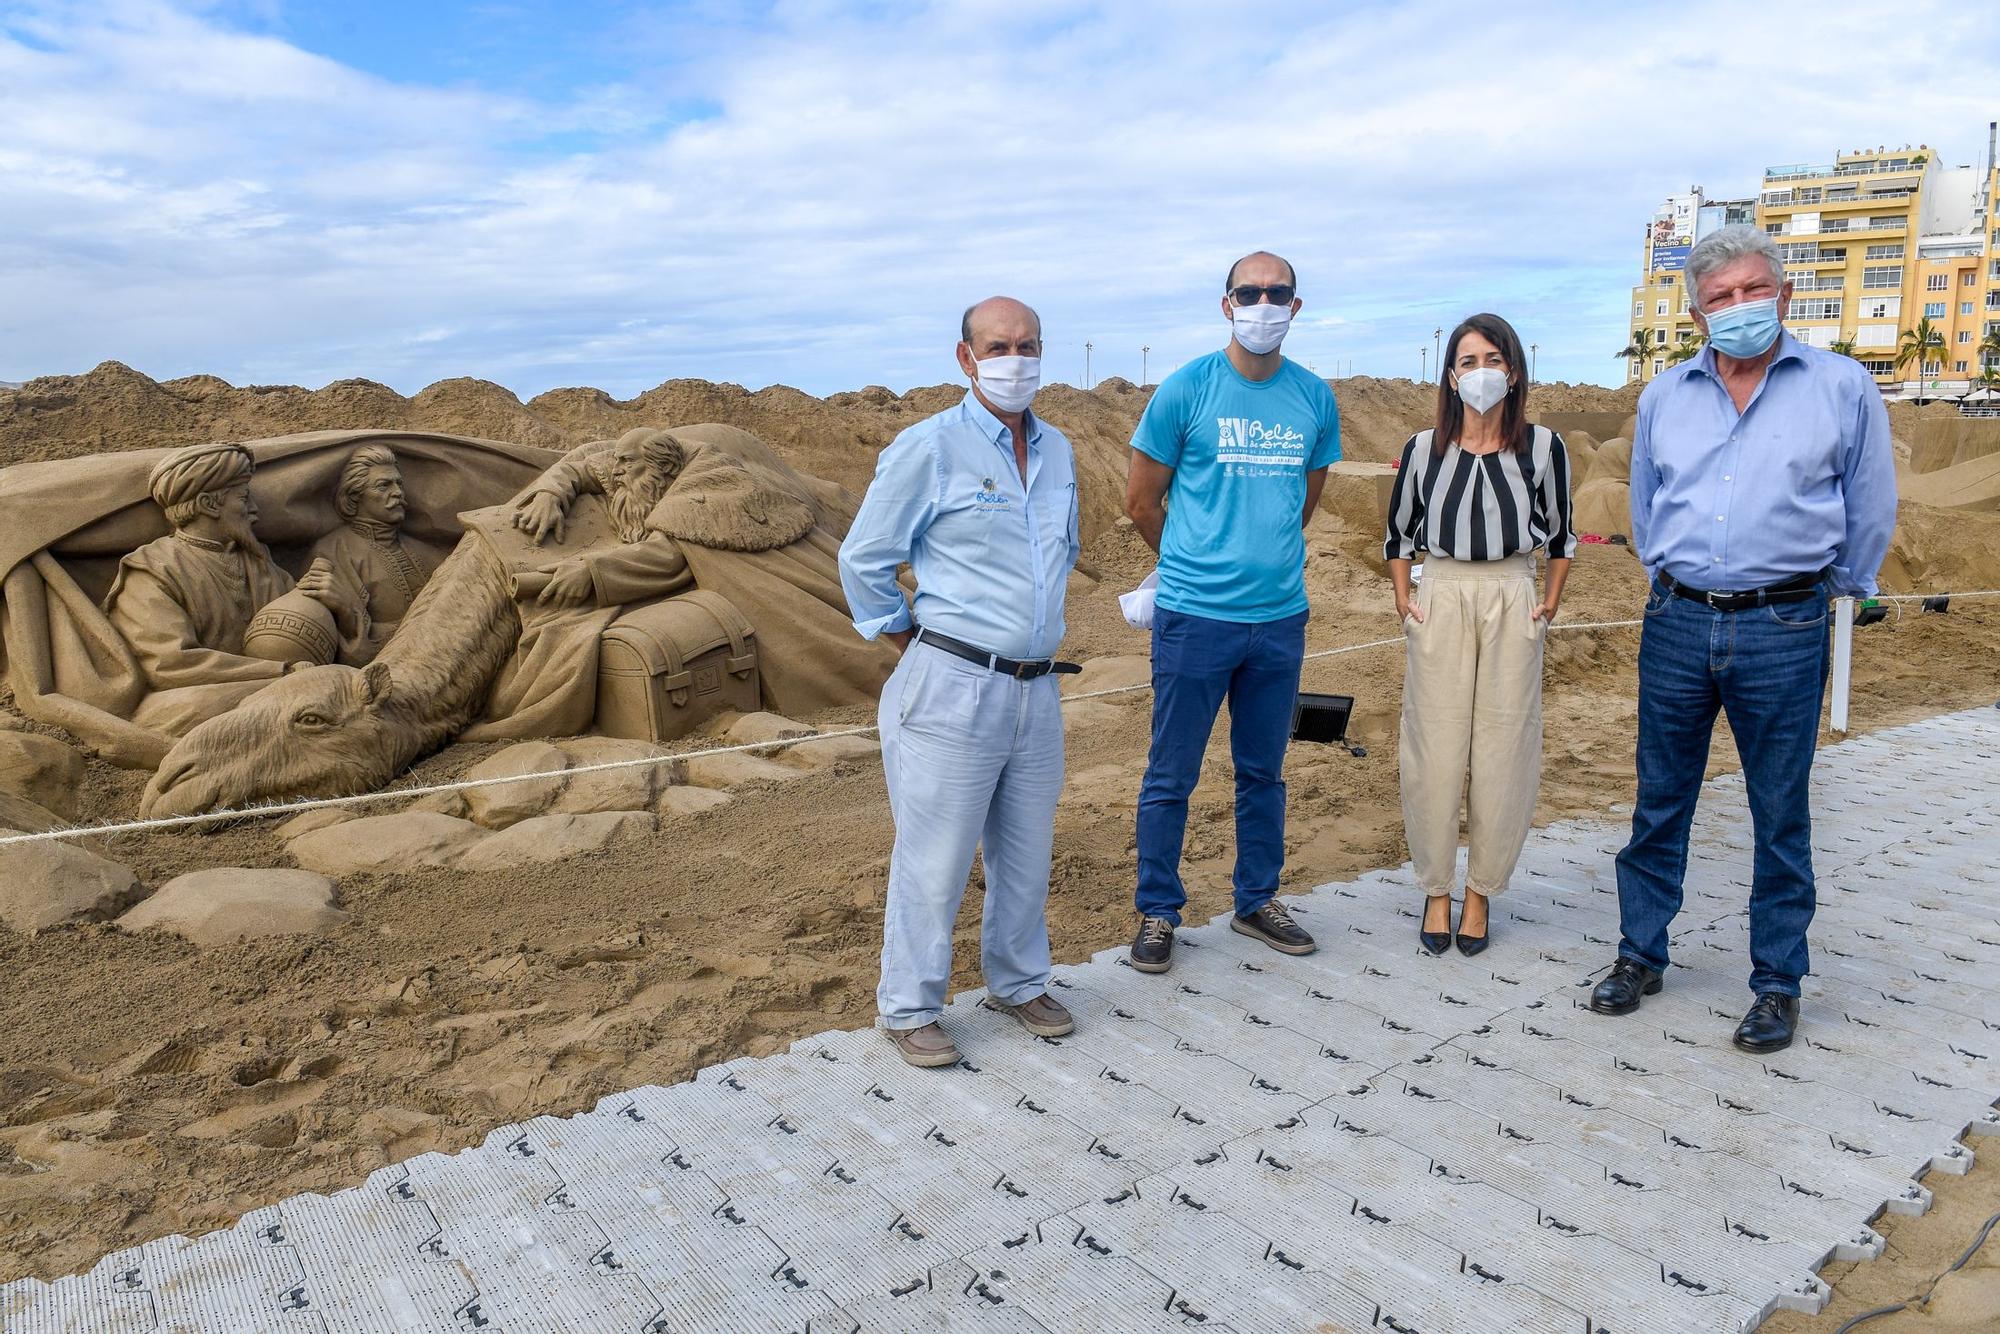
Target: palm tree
[1989,346]
[1689,346]
[1917,345]
[1637,351]
[1841,347]
[1986,382]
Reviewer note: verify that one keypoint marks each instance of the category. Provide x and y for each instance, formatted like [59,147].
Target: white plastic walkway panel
[1366,1139]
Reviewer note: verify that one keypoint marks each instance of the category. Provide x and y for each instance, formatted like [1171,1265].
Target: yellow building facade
[1988,343]
[1874,243]
[1849,235]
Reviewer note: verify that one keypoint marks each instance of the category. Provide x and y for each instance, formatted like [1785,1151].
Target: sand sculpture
[661,536]
[67,527]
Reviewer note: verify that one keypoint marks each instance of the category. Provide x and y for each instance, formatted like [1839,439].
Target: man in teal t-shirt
[1227,466]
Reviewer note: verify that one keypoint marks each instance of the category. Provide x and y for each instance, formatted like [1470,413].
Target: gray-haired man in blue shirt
[980,500]
[1762,482]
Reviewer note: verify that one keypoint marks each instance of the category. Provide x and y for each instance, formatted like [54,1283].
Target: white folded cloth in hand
[1138,604]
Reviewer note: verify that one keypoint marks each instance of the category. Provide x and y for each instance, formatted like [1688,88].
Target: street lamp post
[1533,351]
[1086,365]
[1423,364]
[1436,351]
[1143,381]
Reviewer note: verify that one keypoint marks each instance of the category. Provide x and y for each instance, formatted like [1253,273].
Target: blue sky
[808,192]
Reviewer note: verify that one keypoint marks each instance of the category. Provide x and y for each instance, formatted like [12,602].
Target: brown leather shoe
[1044,1016]
[926,1046]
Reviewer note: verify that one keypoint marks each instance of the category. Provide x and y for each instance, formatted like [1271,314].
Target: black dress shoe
[1435,942]
[1273,925]
[1622,988]
[1153,946]
[1769,1025]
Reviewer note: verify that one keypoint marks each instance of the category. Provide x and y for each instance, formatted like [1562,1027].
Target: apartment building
[1873,242]
[1660,319]
[1989,306]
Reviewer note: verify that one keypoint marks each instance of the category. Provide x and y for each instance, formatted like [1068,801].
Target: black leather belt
[1014,667]
[1796,589]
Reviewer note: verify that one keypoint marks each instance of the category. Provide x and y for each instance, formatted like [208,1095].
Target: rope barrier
[266,810]
[1926,597]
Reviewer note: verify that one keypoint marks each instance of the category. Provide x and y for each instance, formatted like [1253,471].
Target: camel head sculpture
[332,731]
[314,732]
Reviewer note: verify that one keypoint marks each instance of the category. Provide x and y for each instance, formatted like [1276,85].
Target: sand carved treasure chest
[667,667]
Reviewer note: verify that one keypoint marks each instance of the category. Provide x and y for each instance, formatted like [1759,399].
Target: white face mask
[1260,328]
[1482,388]
[1009,383]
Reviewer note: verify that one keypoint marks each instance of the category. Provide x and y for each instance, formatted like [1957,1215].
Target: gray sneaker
[926,1046]
[1273,925]
[1153,945]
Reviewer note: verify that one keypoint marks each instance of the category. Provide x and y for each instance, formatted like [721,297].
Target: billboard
[1672,234]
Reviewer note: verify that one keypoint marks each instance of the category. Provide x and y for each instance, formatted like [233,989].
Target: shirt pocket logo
[988,496]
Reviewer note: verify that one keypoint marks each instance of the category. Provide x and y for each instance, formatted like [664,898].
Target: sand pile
[115,408]
[1971,485]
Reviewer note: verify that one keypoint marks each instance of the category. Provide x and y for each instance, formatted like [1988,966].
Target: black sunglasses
[1279,294]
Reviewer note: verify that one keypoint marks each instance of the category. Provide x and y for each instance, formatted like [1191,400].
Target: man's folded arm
[1868,490]
[900,504]
[1645,483]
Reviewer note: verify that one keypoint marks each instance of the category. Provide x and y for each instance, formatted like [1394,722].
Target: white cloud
[192,197]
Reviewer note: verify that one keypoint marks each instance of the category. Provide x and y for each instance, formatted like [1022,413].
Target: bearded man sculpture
[184,601]
[631,475]
[387,565]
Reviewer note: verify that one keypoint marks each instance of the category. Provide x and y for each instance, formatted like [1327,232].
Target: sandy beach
[151,1086]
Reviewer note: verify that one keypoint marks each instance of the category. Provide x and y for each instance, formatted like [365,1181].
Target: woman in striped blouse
[1479,492]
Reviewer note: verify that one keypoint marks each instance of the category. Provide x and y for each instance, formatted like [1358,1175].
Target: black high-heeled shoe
[1434,942]
[1471,945]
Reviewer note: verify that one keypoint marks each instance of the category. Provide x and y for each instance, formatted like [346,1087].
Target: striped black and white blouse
[1481,506]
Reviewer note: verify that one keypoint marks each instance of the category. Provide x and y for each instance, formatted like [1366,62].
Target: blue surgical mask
[1746,329]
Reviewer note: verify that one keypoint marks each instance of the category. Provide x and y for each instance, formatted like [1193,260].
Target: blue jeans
[1766,669]
[974,760]
[1197,663]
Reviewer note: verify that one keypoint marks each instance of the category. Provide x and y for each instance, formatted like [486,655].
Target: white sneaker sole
[928,1060]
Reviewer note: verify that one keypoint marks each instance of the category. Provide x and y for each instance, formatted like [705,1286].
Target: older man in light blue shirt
[980,500]
[1762,481]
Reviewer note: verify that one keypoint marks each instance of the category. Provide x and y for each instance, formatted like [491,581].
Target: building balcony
[1891,200]
[1797,171]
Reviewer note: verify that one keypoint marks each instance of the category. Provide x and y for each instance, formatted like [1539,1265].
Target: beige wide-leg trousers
[1472,708]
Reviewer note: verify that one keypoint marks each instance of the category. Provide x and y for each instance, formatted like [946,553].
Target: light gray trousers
[974,760]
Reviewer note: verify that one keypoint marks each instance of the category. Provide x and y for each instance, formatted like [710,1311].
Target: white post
[1843,660]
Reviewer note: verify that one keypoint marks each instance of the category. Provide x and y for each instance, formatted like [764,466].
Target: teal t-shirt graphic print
[1240,449]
